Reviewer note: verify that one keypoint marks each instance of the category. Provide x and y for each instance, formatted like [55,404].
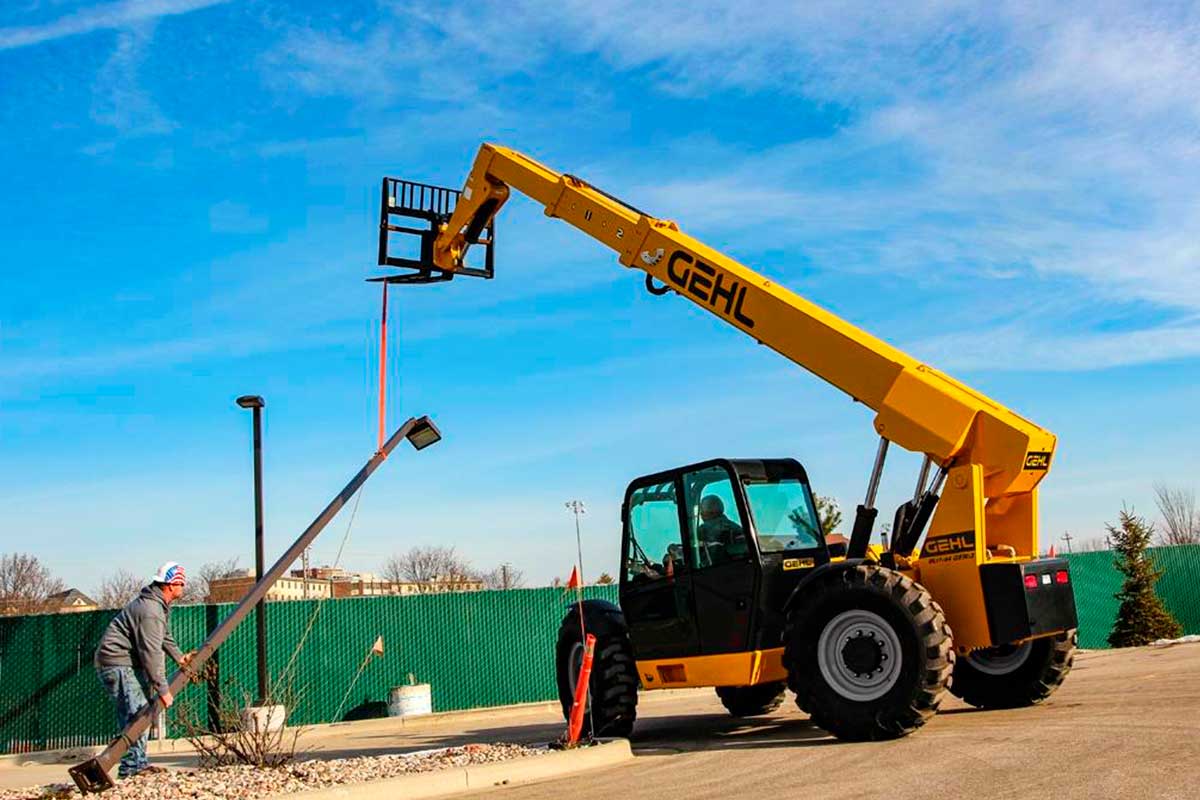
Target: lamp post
[255,403]
[92,775]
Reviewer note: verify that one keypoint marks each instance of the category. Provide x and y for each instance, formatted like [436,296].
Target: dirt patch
[219,783]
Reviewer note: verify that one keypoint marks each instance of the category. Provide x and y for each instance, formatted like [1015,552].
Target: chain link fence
[476,649]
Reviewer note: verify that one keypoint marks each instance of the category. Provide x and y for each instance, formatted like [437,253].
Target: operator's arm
[169,646]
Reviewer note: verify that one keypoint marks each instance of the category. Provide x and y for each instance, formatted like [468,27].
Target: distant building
[70,601]
[368,584]
[335,583]
[450,583]
[233,587]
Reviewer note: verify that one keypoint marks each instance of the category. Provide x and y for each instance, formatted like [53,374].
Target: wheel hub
[858,653]
[863,654]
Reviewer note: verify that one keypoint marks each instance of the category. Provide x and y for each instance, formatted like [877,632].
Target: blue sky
[190,211]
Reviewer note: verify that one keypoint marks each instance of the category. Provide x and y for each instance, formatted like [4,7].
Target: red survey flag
[377,648]
[574,582]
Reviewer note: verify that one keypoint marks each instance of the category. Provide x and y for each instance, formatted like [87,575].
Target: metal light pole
[92,775]
[254,402]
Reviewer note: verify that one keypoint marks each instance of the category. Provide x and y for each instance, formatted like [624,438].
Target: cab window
[717,535]
[784,516]
[655,539]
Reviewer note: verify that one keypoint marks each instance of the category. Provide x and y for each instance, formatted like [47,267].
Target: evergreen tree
[1142,617]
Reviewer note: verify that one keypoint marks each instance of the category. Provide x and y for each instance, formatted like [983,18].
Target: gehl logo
[1037,460]
[703,282]
[949,544]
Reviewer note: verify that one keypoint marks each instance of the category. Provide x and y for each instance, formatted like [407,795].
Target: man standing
[129,660]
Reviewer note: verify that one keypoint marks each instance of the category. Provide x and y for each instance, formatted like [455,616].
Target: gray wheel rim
[574,665]
[1000,661]
[838,632]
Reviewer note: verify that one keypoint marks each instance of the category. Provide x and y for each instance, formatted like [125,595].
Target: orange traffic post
[581,687]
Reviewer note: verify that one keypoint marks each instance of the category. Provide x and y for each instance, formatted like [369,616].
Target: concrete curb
[478,777]
[72,755]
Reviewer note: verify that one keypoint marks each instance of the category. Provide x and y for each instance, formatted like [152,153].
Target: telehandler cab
[727,580]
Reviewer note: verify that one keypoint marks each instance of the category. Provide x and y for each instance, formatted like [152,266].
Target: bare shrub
[226,740]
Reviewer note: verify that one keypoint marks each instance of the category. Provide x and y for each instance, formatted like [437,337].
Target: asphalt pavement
[1125,724]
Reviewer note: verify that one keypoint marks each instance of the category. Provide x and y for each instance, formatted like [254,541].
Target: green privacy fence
[1097,580]
[476,649]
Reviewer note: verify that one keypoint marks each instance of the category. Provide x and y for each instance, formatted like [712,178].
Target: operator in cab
[719,537]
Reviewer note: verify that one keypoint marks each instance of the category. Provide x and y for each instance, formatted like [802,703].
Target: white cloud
[1014,149]
[118,99]
[1021,348]
[121,356]
[107,16]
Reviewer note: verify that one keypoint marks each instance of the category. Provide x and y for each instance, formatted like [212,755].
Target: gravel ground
[247,782]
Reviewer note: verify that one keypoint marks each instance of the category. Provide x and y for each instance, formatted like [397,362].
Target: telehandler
[727,579]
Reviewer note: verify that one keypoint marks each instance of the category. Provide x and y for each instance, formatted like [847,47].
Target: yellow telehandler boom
[983,500]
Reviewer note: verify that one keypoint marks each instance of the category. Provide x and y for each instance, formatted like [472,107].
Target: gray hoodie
[139,635]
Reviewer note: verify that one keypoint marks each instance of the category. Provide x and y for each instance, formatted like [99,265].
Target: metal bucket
[410,701]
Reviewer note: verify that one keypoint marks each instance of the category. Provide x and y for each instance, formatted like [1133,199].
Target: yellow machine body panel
[995,457]
[727,669]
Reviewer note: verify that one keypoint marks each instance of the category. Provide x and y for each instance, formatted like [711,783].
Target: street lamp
[255,403]
[423,434]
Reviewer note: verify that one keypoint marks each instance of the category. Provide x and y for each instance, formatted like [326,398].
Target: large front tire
[612,690]
[868,653]
[1014,677]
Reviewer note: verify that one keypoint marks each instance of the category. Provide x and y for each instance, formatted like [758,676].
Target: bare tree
[1093,545]
[1181,520]
[423,564]
[605,579]
[503,577]
[25,584]
[118,589]
[197,584]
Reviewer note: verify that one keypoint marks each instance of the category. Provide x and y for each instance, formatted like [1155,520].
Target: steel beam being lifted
[92,775]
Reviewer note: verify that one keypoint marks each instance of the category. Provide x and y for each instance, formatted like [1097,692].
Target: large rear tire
[752,701]
[868,653]
[1015,676]
[612,689]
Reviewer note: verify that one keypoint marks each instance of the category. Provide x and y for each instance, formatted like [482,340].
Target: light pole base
[91,777]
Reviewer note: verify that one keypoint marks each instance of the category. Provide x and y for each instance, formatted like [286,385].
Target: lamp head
[423,434]
[250,401]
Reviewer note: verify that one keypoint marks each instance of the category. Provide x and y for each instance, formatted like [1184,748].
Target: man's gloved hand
[167,698]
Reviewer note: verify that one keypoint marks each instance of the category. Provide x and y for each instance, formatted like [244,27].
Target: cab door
[722,545]
[656,585]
